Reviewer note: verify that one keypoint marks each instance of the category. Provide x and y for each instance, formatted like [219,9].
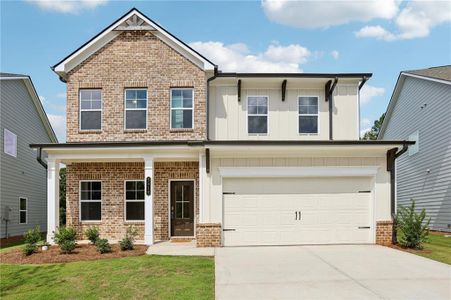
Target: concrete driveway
[328,272]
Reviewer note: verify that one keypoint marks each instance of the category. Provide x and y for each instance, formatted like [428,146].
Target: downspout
[208,100]
[39,158]
[392,155]
[329,96]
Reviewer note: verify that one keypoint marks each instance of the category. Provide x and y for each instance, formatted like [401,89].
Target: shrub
[412,226]
[65,238]
[128,242]
[92,233]
[103,246]
[31,239]
[67,246]
[29,249]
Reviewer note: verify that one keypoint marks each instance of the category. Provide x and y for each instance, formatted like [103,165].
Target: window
[181,108]
[90,200]
[90,109]
[257,114]
[308,115]
[413,149]
[134,200]
[23,210]
[135,109]
[9,143]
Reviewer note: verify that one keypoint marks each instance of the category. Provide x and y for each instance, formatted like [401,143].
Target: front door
[182,208]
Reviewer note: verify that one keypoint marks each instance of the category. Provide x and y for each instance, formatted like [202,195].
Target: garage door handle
[364,227]
[228,229]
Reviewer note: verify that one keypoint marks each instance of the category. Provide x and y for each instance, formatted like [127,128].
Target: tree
[374,131]
[63,196]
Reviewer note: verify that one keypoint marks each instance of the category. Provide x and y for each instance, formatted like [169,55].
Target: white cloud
[323,14]
[237,57]
[368,92]
[61,95]
[335,54]
[59,126]
[42,98]
[415,20]
[365,125]
[67,6]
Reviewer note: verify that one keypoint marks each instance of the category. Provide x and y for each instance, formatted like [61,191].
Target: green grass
[15,244]
[150,277]
[439,247]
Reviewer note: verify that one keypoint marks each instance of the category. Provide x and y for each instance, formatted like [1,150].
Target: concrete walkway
[179,248]
[328,272]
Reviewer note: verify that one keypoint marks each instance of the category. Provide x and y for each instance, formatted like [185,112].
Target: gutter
[39,158]
[208,100]
[392,155]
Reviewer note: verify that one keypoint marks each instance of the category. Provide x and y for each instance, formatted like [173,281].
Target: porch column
[53,199]
[148,203]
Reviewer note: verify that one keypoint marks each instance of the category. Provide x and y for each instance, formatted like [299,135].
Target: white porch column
[148,203]
[202,174]
[53,199]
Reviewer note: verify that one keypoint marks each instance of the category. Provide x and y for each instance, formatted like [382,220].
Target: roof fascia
[427,78]
[391,104]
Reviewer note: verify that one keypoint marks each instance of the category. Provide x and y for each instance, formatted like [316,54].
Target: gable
[133,21]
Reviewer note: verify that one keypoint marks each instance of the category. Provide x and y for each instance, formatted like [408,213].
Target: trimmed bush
[31,239]
[92,233]
[65,238]
[413,227]
[128,242]
[103,246]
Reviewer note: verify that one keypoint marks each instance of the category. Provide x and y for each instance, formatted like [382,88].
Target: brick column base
[384,231]
[208,235]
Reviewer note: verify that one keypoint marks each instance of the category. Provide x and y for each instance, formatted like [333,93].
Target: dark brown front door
[182,208]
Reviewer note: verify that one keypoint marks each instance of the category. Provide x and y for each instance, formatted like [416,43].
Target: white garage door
[290,211]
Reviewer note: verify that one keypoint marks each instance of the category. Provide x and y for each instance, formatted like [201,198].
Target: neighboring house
[420,110]
[160,139]
[22,179]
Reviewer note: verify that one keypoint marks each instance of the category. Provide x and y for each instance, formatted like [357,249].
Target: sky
[383,37]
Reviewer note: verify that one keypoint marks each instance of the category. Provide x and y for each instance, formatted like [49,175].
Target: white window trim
[181,108]
[80,110]
[308,115]
[24,210]
[137,109]
[255,115]
[125,201]
[90,201]
[4,144]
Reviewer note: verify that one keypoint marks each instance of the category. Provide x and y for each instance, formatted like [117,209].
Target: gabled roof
[36,101]
[132,20]
[440,74]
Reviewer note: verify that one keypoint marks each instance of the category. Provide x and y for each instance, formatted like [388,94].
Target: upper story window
[257,114]
[90,200]
[182,112]
[135,109]
[9,143]
[91,109]
[308,115]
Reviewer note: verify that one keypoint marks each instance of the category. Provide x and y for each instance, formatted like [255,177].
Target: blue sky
[382,37]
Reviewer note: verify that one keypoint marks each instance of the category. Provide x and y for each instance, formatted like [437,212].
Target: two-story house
[160,139]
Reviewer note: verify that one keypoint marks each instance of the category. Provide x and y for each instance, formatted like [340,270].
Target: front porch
[157,194]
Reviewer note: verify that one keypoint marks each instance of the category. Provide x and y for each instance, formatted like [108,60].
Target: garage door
[290,211]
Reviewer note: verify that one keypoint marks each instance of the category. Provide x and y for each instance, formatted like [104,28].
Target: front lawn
[140,277]
[438,248]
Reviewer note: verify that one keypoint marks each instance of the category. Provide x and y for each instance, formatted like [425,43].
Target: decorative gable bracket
[134,23]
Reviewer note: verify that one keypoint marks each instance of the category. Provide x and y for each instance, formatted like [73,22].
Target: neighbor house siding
[425,106]
[21,176]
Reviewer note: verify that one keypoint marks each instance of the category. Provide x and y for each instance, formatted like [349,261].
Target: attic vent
[134,23]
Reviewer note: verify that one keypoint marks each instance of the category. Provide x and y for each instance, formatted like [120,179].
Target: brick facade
[208,235]
[113,175]
[163,172]
[384,231]
[141,60]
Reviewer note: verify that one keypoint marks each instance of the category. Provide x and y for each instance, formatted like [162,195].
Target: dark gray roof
[12,75]
[441,72]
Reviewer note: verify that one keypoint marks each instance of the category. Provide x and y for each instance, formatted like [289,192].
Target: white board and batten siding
[424,106]
[228,116]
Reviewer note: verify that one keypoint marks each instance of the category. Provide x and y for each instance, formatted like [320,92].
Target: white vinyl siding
[90,109]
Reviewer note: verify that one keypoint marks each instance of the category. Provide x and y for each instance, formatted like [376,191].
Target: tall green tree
[374,131]
[63,196]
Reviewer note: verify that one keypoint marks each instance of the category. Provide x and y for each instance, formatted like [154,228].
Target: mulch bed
[53,255]
[410,250]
